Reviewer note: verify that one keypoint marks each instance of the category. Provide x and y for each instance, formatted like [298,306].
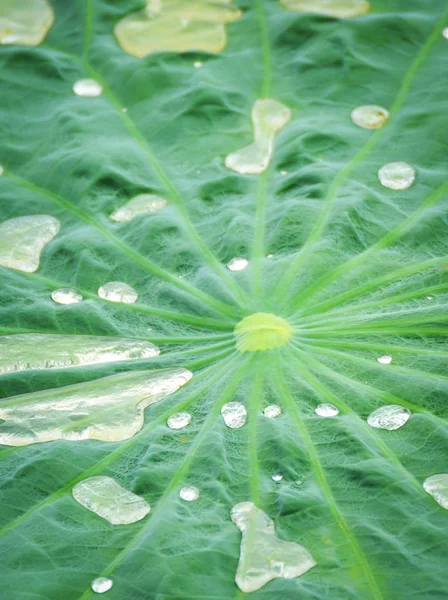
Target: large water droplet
[391,416]
[189,493]
[101,585]
[88,88]
[385,359]
[268,118]
[272,411]
[369,116]
[25,22]
[237,264]
[179,420]
[22,240]
[261,331]
[109,500]
[117,291]
[144,203]
[234,414]
[335,8]
[437,486]
[263,556]
[326,410]
[66,296]
[397,175]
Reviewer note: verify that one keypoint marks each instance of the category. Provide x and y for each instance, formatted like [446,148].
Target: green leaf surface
[353,271]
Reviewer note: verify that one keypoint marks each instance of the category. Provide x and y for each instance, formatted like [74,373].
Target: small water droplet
[139,205]
[197,64]
[283,172]
[117,291]
[429,297]
[234,414]
[300,480]
[66,296]
[101,585]
[445,33]
[179,420]
[272,411]
[385,359]
[189,493]
[369,116]
[326,410]
[124,109]
[269,256]
[391,416]
[237,264]
[88,88]
[277,477]
[396,176]
[1,170]
[437,487]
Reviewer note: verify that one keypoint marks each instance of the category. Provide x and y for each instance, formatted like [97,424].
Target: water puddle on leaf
[66,296]
[25,22]
[117,291]
[335,8]
[268,118]
[142,204]
[391,416]
[437,486]
[109,500]
[263,556]
[234,414]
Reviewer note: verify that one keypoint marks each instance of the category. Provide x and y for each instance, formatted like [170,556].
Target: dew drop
[429,297]
[391,416]
[396,176]
[370,116]
[234,414]
[283,172]
[1,170]
[326,410]
[437,487]
[25,22]
[101,585]
[385,359]
[66,296]
[197,64]
[237,264]
[269,256]
[88,88]
[189,493]
[141,204]
[117,291]
[124,109]
[272,411]
[445,33]
[277,477]
[179,420]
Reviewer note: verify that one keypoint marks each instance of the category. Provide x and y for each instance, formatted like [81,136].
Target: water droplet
[237,264]
[110,409]
[326,410]
[261,331]
[101,585]
[445,33]
[268,118]
[1,170]
[263,556]
[117,291]
[88,88]
[124,109]
[396,176]
[272,411]
[270,256]
[179,420]
[197,64]
[141,204]
[25,23]
[429,297]
[176,27]
[335,8]
[277,477]
[300,480]
[391,416]
[234,414]
[109,500]
[385,359]
[283,172]
[189,493]
[66,296]
[370,116]
[22,240]
[437,487]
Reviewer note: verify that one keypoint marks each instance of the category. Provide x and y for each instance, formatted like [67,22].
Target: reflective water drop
[1,170]
[268,118]
[335,8]
[370,116]
[124,109]
[261,331]
[429,297]
[445,33]
[385,359]
[197,64]
[234,414]
[269,256]
[189,493]
[397,176]
[66,296]
[283,172]
[326,410]
[101,585]
[179,420]
[437,486]
[237,264]
[141,204]
[176,27]
[272,411]
[22,240]
[117,291]
[277,477]
[110,409]
[25,22]
[88,88]
[391,416]
[263,556]
[300,480]
[109,500]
